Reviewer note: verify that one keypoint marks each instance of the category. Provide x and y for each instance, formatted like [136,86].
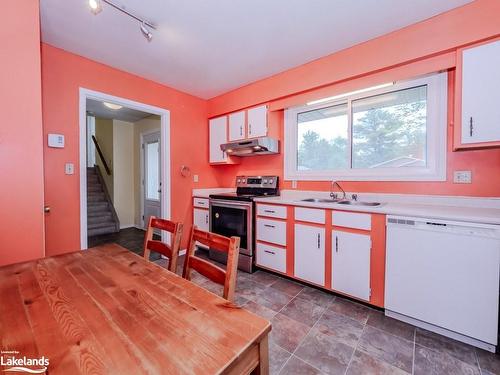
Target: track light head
[145,31]
[95,6]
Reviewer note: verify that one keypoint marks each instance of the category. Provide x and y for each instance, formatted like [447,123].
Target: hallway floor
[315,332]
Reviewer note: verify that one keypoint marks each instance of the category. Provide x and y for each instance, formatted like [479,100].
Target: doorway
[157,171]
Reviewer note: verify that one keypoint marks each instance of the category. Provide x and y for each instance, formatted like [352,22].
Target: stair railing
[98,148]
[108,197]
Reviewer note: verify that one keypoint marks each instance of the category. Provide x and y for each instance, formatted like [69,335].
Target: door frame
[165,151]
[142,174]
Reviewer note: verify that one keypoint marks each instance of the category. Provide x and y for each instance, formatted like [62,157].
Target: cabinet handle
[269,252]
[270,211]
[241,131]
[471,127]
[269,225]
[336,244]
[206,219]
[319,240]
[249,129]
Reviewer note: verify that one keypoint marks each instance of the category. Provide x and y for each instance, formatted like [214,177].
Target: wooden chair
[170,251]
[227,277]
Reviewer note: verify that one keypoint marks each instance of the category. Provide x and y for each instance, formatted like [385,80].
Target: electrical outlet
[462,177]
[294,184]
[69,168]
[195,178]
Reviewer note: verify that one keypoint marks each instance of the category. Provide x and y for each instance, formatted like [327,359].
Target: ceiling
[208,47]
[98,109]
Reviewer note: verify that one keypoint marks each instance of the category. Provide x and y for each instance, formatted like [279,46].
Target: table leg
[263,366]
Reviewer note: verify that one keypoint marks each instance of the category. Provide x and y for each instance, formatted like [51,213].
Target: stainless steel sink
[358,203]
[319,200]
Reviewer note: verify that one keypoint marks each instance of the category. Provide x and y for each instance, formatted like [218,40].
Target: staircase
[101,215]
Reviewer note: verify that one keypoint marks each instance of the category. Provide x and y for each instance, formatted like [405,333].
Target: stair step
[103,230]
[97,206]
[96,198]
[101,225]
[105,217]
[94,188]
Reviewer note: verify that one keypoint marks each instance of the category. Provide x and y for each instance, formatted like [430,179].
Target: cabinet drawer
[271,257]
[311,215]
[271,211]
[272,231]
[352,220]
[200,202]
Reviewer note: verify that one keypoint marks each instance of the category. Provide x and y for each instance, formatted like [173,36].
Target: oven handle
[231,204]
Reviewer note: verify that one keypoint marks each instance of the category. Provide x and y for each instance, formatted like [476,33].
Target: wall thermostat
[56,140]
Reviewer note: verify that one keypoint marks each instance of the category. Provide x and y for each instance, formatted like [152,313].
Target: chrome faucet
[334,195]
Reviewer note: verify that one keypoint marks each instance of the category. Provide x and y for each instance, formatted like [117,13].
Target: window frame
[436,137]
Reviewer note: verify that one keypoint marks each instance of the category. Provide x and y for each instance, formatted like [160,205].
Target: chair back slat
[212,240]
[207,269]
[170,251]
[227,277]
[159,247]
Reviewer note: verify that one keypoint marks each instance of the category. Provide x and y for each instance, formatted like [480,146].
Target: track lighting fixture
[96,7]
[147,34]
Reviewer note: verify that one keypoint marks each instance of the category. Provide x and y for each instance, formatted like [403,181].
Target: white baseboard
[125,226]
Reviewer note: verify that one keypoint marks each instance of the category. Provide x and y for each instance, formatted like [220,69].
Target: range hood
[252,147]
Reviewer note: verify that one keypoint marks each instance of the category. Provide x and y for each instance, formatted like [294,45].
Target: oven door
[232,218]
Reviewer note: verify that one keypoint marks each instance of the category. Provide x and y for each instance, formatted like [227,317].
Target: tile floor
[315,332]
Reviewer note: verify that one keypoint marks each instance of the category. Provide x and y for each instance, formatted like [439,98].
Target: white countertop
[477,210]
[204,193]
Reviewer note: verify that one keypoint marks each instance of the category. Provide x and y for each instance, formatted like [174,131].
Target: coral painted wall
[430,45]
[21,150]
[63,73]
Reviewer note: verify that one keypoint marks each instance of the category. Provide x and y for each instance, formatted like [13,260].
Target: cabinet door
[310,253]
[257,122]
[237,126]
[218,136]
[351,264]
[480,93]
[200,219]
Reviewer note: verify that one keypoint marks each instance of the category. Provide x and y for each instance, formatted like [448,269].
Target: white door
[310,253]
[237,126]
[480,94]
[257,121]
[218,136]
[151,176]
[351,264]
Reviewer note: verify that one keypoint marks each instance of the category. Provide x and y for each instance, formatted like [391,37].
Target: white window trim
[437,109]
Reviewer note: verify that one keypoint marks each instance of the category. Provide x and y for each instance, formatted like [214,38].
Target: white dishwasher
[444,276]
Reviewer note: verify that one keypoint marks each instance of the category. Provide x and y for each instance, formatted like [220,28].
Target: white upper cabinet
[351,264]
[310,253]
[257,121]
[237,126]
[481,93]
[218,136]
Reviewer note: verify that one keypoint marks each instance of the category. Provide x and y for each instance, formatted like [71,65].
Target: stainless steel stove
[232,214]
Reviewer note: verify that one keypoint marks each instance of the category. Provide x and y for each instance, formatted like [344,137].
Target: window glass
[152,171]
[389,130]
[322,139]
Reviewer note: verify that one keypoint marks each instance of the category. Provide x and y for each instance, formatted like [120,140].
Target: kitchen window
[393,133]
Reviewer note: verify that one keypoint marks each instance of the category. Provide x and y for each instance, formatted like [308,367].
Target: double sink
[350,202]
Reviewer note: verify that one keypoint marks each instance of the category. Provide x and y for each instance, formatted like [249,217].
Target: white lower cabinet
[310,253]
[271,257]
[200,219]
[351,264]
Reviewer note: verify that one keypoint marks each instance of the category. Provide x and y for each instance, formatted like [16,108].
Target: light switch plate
[462,177]
[294,184]
[195,178]
[56,140]
[69,168]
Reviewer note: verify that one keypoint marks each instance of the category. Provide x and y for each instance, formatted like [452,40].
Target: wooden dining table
[107,310]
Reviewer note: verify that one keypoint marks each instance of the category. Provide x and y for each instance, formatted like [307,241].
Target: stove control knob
[243,180]
[265,181]
[238,181]
[271,181]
